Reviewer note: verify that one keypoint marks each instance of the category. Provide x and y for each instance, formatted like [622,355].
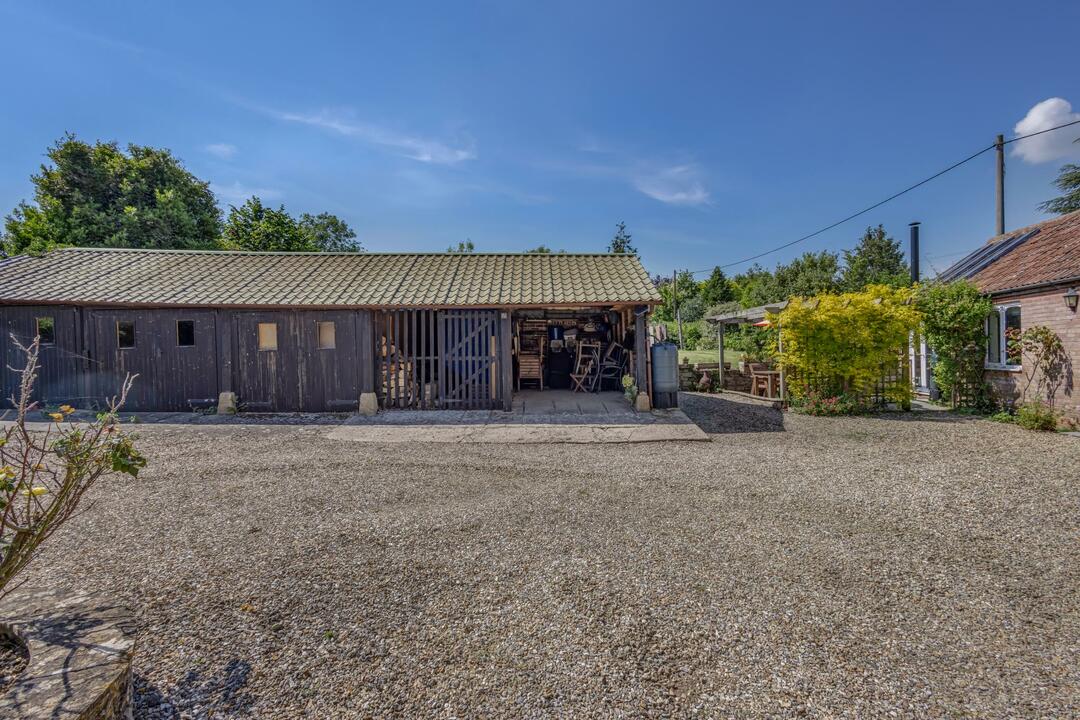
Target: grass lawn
[706,356]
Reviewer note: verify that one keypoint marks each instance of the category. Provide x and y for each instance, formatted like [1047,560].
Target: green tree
[809,274]
[1068,182]
[621,242]
[717,289]
[462,247]
[876,260]
[756,286]
[329,233]
[688,300]
[101,196]
[255,227]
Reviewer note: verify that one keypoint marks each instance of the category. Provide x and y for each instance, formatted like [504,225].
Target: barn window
[185,333]
[326,335]
[46,330]
[125,333]
[268,336]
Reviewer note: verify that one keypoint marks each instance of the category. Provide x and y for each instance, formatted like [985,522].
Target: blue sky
[714,130]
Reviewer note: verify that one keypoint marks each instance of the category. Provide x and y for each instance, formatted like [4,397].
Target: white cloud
[675,185]
[225,151]
[421,149]
[1052,145]
[237,193]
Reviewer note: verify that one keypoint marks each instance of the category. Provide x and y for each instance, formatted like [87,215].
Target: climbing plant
[846,343]
[954,325]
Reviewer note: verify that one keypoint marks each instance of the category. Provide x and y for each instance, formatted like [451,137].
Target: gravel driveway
[907,565]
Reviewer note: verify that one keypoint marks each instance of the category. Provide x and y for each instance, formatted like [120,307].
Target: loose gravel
[905,566]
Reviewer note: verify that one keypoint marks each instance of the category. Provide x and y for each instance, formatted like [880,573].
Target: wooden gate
[437,359]
[469,344]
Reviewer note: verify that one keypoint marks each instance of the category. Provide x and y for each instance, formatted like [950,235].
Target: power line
[892,197]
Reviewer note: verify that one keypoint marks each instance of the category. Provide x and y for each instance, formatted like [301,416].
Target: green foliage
[954,316]
[814,402]
[1068,182]
[254,227]
[1036,415]
[876,260]
[841,343]
[621,242]
[329,233]
[716,289]
[462,247]
[543,250]
[688,289]
[630,389]
[101,196]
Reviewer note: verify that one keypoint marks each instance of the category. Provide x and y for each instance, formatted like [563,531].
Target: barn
[323,332]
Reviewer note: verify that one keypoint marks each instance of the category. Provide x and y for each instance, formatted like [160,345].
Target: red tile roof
[1050,255]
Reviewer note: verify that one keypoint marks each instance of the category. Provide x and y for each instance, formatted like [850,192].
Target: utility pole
[675,298]
[1000,145]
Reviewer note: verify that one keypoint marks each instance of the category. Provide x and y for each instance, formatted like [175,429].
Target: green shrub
[953,324]
[814,402]
[1036,415]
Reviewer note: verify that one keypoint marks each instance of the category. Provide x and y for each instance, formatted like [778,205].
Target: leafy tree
[1068,182]
[688,289]
[756,286]
[717,289]
[544,250]
[810,274]
[462,247]
[621,242]
[256,227]
[329,233]
[101,196]
[954,315]
[876,260]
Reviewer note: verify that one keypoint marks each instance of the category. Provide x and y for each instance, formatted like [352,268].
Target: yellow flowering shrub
[846,343]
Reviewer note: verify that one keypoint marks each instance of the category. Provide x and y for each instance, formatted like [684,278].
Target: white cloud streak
[1048,146]
[675,185]
[225,151]
[420,149]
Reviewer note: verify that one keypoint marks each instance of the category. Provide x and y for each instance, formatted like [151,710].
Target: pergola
[747,316]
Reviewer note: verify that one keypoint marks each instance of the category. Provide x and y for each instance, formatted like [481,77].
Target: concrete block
[226,404]
[369,404]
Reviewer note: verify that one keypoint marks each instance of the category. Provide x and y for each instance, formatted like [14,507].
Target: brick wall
[1046,308]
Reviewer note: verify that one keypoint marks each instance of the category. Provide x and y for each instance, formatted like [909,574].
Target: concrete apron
[551,416]
[524,433]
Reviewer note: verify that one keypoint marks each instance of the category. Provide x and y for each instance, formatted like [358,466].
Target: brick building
[1033,277]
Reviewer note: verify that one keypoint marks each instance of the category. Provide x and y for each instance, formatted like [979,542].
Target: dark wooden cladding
[448,359]
[62,365]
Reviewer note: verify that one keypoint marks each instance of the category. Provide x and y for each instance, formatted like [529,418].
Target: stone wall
[1045,308]
[690,374]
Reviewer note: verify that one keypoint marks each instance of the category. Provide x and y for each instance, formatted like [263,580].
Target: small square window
[185,333]
[46,331]
[268,336]
[125,333]
[326,335]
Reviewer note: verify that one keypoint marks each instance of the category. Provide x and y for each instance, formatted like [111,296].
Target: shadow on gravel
[220,695]
[716,415]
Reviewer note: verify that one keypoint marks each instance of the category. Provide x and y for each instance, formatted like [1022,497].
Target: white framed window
[1003,330]
[327,335]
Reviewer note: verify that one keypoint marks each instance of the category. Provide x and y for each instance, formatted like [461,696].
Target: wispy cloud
[680,183]
[225,151]
[421,149]
[674,185]
[1048,146]
[236,193]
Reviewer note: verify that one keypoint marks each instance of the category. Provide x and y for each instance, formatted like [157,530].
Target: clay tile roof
[1049,254]
[225,278]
